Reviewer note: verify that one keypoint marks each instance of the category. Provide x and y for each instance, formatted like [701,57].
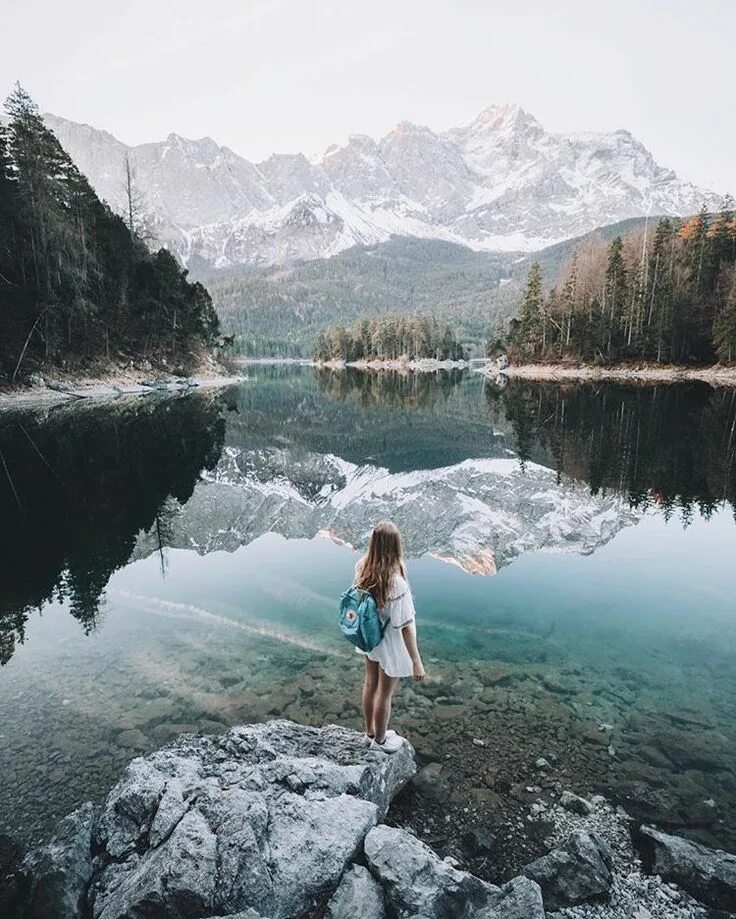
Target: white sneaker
[391,744]
[368,739]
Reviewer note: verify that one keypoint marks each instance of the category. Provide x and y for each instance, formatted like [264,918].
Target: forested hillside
[389,337]
[664,293]
[76,284]
[281,311]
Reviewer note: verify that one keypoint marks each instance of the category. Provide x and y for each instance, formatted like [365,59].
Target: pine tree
[136,218]
[8,210]
[723,234]
[615,293]
[568,303]
[663,296]
[528,333]
[724,327]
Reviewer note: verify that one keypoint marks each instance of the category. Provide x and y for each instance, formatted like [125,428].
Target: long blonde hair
[384,559]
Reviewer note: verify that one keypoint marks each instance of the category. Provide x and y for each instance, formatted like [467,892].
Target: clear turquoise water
[219,606]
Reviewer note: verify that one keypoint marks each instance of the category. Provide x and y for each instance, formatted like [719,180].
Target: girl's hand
[419,671]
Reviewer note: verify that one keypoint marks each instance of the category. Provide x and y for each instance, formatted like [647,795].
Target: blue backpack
[359,619]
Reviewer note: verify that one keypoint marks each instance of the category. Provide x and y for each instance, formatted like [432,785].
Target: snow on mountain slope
[498,183]
[479,514]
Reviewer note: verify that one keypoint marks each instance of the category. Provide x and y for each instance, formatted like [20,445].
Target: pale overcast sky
[288,75]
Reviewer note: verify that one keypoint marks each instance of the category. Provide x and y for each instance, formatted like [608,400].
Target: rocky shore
[54,386]
[716,376]
[281,820]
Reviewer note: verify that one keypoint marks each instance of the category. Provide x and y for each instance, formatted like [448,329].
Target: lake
[173,564]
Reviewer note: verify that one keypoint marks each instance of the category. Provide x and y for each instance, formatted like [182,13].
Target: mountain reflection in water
[87,488]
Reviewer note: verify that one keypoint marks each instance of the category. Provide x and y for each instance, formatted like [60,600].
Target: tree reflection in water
[673,447]
[78,485]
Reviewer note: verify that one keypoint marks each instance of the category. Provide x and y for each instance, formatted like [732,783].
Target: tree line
[76,283]
[664,294]
[389,337]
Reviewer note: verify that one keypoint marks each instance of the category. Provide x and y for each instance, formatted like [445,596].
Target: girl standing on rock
[381,571]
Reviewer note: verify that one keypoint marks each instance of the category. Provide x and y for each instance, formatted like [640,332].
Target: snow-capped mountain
[499,183]
[479,514]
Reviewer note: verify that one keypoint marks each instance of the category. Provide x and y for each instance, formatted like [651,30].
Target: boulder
[359,894]
[176,879]
[521,898]
[265,817]
[578,871]
[417,882]
[259,822]
[708,874]
[55,876]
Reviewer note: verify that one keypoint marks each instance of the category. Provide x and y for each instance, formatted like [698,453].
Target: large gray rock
[521,898]
[578,871]
[359,894]
[266,817]
[707,874]
[56,875]
[418,883]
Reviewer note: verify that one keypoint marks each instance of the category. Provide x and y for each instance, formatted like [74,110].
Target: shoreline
[716,375]
[109,387]
[422,365]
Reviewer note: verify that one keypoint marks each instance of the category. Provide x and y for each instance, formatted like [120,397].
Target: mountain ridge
[497,183]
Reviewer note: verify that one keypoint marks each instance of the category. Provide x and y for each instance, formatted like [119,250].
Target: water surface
[173,564]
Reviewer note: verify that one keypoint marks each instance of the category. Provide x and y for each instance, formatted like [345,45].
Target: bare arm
[409,634]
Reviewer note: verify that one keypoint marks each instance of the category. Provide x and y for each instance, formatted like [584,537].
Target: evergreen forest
[665,293]
[389,337]
[76,283]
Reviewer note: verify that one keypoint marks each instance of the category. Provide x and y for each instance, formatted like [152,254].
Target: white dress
[391,654]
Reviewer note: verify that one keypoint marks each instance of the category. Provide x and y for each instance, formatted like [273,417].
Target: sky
[265,76]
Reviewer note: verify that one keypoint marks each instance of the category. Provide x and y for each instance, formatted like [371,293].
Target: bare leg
[382,707]
[370,686]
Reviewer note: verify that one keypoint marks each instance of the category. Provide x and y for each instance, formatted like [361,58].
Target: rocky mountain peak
[408,127]
[498,183]
[505,117]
